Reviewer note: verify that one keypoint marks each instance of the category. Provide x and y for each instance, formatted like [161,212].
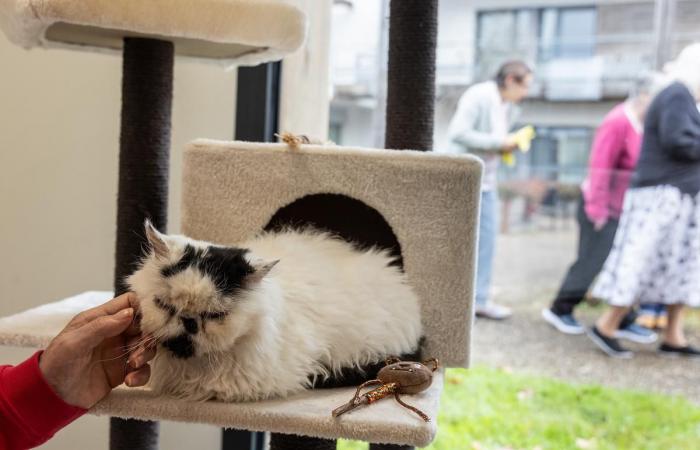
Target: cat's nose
[190,324]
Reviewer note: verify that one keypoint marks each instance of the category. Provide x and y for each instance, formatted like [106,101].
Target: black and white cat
[268,317]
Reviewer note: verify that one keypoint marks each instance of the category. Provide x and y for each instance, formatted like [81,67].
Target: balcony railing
[563,70]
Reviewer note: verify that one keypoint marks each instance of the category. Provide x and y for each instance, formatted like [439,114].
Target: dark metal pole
[147,91]
[410,107]
[257,108]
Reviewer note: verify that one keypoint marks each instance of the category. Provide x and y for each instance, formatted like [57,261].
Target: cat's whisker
[129,349]
[143,342]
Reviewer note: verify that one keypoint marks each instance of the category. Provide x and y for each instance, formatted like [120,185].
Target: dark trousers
[593,249]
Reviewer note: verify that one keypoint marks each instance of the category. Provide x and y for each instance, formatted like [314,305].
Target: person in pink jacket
[614,154]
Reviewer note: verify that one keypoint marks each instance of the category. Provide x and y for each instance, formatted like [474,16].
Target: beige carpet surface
[243,32]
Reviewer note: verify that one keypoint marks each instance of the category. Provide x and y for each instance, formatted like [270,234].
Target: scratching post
[147,94]
[294,442]
[410,102]
[389,447]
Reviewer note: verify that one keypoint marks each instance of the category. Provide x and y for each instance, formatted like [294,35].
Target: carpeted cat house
[421,206]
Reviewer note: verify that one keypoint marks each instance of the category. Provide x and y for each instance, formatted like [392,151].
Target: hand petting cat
[97,351]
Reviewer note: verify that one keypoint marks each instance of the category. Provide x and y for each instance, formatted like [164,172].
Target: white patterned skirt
[656,254]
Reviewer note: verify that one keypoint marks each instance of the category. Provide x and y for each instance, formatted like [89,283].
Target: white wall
[59,122]
[304,89]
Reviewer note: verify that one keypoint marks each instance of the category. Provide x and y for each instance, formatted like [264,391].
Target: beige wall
[304,89]
[59,125]
[59,119]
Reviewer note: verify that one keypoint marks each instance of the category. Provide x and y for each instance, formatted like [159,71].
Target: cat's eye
[213,315]
[170,309]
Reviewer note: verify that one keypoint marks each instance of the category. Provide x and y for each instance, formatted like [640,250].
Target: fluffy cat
[269,317]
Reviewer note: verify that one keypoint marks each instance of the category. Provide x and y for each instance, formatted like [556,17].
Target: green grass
[485,409]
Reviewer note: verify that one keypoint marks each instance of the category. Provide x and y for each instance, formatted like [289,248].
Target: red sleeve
[30,411]
[607,144]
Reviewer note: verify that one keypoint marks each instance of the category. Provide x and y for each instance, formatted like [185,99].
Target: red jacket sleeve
[30,411]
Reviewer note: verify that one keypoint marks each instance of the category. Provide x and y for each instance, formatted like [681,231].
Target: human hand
[509,144]
[97,351]
[599,224]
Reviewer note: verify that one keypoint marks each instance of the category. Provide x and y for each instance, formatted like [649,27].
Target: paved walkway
[528,269]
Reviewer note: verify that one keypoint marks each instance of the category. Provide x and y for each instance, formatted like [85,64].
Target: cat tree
[421,206]
[424,202]
[149,34]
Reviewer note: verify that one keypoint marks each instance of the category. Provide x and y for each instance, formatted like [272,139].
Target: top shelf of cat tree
[242,32]
[307,413]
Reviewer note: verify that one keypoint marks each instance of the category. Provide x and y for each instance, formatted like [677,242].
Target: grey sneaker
[636,333]
[493,311]
[566,323]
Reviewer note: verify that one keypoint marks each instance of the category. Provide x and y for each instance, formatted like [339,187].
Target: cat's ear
[155,240]
[260,269]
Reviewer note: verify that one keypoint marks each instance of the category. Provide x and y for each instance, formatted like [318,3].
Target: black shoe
[611,346]
[671,350]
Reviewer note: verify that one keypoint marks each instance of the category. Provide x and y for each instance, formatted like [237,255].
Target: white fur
[324,306]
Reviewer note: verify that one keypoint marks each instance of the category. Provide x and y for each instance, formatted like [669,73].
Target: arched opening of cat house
[346,217]
[355,222]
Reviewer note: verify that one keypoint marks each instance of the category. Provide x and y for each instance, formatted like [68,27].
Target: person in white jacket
[480,126]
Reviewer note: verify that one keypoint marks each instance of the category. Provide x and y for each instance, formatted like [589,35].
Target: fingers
[93,333]
[127,300]
[138,377]
[138,369]
[141,356]
[134,329]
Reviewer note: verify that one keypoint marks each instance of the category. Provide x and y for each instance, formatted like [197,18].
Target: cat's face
[195,296]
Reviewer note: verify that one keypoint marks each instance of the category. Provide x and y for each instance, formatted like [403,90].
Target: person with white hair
[656,250]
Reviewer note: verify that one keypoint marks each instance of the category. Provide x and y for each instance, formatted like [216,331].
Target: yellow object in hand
[523,139]
[508,159]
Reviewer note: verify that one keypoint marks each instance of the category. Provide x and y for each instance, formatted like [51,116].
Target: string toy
[397,377]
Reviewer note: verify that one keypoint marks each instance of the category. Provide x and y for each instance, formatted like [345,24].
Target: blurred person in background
[614,154]
[656,251]
[652,316]
[485,114]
